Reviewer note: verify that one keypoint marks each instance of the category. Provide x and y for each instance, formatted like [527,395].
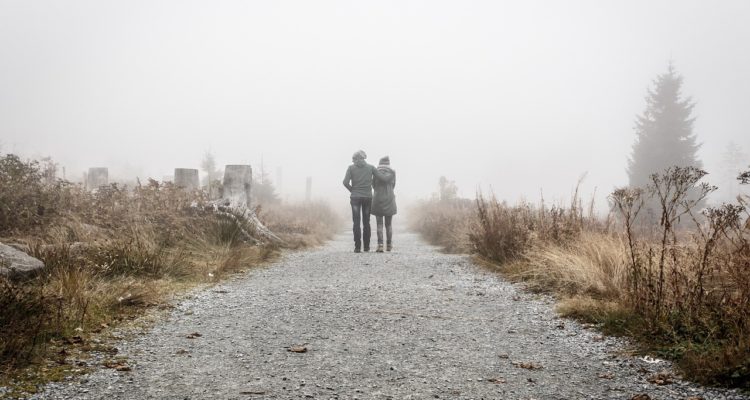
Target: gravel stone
[412,324]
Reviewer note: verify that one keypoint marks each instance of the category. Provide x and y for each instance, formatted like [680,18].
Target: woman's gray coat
[384,200]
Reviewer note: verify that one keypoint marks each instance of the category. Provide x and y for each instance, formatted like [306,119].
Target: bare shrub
[113,251]
[501,233]
[23,321]
[690,284]
[29,197]
[301,224]
[445,223]
[674,274]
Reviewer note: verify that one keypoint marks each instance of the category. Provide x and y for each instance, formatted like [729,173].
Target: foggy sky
[518,96]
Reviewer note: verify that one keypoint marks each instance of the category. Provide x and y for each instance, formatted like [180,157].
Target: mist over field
[520,97]
[187,193]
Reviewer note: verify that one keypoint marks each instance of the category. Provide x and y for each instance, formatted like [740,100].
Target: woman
[384,202]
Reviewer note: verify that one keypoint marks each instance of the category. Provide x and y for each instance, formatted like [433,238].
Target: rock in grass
[16,264]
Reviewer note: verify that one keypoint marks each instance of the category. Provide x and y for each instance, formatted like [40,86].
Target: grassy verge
[444,223]
[111,256]
[302,224]
[657,270]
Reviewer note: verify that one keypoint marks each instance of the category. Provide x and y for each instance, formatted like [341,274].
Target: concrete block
[238,180]
[186,178]
[96,178]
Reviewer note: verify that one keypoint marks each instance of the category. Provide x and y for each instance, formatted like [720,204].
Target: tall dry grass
[301,224]
[443,222]
[689,280]
[658,268]
[113,253]
[591,265]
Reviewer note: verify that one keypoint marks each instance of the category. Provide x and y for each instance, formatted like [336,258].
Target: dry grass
[443,223]
[592,265]
[679,284]
[111,255]
[302,224]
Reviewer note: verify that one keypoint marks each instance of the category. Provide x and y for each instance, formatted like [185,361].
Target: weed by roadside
[110,255]
[657,268]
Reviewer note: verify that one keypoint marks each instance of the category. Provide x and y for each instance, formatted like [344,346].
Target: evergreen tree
[664,132]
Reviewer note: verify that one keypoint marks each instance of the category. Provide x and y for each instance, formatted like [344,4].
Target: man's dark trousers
[361,212]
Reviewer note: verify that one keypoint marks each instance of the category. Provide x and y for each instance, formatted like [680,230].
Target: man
[358,180]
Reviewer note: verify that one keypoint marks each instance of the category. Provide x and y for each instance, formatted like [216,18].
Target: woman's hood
[387,171]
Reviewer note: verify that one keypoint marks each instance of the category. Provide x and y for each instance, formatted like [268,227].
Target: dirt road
[413,324]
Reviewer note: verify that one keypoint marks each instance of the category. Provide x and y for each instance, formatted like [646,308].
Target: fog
[521,97]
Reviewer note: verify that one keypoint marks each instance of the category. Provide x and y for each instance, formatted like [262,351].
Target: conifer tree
[664,132]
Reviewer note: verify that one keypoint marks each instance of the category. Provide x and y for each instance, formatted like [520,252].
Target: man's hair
[360,154]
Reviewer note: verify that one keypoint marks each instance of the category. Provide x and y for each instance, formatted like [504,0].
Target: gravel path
[413,324]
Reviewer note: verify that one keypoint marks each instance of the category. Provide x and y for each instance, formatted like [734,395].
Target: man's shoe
[389,247]
[357,250]
[367,249]
[380,248]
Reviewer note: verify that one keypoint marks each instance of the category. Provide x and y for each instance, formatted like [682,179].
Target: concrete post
[238,180]
[186,178]
[96,178]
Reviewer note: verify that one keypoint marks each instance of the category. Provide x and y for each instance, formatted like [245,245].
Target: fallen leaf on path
[503,355]
[661,378]
[253,392]
[117,365]
[641,396]
[528,365]
[496,380]
[193,335]
[182,351]
[297,349]
[695,398]
[607,375]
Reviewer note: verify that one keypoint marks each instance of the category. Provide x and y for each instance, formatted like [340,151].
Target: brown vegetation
[657,269]
[301,224]
[443,222]
[113,253]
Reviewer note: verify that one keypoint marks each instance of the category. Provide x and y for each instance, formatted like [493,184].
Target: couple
[360,179]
